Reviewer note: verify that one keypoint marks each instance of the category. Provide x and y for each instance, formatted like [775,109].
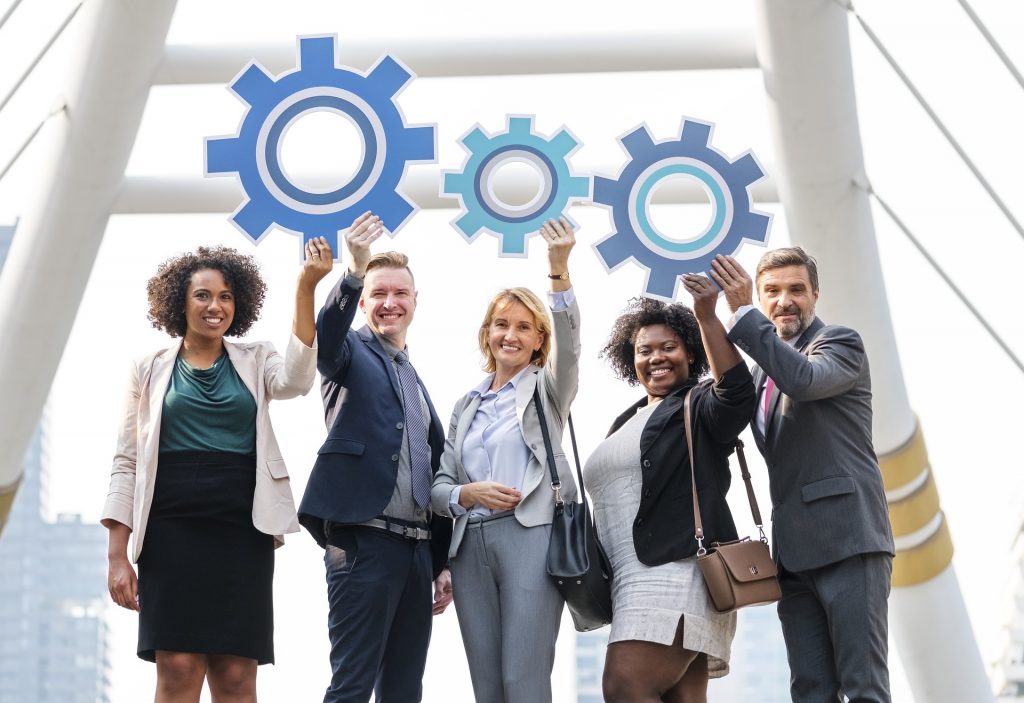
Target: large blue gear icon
[367,100]
[482,210]
[733,222]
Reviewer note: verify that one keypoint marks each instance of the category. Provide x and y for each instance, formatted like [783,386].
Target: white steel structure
[803,50]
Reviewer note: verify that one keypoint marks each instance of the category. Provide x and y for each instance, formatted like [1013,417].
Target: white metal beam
[85,150]
[510,55]
[804,53]
[140,195]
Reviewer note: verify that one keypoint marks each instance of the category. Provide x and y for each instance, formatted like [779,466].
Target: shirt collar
[484,386]
[390,349]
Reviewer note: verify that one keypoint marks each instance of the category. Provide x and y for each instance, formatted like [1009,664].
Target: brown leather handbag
[739,573]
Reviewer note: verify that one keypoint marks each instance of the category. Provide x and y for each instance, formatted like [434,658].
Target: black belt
[403,528]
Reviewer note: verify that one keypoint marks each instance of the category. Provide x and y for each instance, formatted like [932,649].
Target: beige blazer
[267,375]
[557,382]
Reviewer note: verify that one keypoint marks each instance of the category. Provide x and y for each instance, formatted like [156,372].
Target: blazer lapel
[370,339]
[524,395]
[465,420]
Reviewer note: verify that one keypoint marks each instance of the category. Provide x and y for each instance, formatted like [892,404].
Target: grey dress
[647,601]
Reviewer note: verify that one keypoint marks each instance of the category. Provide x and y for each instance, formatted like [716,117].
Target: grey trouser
[835,622]
[508,608]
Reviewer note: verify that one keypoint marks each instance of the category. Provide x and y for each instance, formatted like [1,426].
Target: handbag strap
[556,483]
[755,512]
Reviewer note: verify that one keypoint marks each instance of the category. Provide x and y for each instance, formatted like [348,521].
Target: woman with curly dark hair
[198,481]
[666,640]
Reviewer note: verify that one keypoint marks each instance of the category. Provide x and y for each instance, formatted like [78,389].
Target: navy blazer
[354,476]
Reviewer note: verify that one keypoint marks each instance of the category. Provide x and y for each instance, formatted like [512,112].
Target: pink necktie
[769,387]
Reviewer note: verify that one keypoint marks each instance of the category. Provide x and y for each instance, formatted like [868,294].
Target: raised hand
[365,230]
[735,283]
[319,262]
[561,239]
[705,296]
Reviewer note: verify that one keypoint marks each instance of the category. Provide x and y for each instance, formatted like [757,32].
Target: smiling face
[389,302]
[661,359]
[787,299]
[512,337]
[209,306]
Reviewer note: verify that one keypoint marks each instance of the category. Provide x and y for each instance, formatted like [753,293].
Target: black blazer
[663,529]
[356,468]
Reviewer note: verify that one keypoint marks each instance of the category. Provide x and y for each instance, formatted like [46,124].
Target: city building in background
[53,635]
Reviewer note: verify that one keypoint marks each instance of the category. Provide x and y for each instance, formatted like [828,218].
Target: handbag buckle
[700,547]
[556,486]
[761,531]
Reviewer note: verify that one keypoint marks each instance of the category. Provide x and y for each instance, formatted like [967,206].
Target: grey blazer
[827,495]
[558,382]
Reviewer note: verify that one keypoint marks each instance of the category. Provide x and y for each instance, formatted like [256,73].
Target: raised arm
[722,355]
[563,368]
[319,262]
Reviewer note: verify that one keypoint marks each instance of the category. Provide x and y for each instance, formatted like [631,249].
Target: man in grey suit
[832,538]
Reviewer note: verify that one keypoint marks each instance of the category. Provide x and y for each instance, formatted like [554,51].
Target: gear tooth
[456,183]
[395,210]
[578,186]
[253,84]
[470,224]
[695,134]
[752,225]
[745,170]
[253,219]
[662,283]
[521,127]
[328,233]
[562,143]
[612,251]
[605,190]
[476,140]
[388,77]
[223,155]
[317,53]
[638,141]
[418,143]
[513,244]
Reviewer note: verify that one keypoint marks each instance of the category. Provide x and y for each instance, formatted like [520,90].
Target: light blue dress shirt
[494,448]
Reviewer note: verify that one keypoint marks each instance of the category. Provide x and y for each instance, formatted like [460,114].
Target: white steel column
[804,51]
[120,44]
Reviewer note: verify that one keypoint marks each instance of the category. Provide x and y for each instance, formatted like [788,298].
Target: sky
[960,384]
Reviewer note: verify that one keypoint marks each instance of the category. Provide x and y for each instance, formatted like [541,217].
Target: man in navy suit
[368,497]
[830,520]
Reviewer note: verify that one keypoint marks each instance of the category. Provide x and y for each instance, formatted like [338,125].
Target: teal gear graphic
[482,210]
[319,84]
[628,196]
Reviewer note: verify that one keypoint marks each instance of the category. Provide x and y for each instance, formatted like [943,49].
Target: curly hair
[167,289]
[643,312]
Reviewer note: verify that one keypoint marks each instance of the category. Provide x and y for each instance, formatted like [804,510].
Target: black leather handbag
[576,561]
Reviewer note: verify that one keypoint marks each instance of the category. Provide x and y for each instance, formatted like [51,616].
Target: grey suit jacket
[557,382]
[826,487]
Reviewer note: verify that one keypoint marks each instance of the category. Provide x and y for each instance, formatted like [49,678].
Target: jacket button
[399,426]
[640,522]
[647,493]
[647,463]
[394,457]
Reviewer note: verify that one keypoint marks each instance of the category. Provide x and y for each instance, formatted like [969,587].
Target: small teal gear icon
[319,84]
[483,210]
[733,223]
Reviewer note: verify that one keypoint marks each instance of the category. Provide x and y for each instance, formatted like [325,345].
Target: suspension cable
[992,42]
[935,119]
[28,140]
[10,11]
[39,56]
[942,274]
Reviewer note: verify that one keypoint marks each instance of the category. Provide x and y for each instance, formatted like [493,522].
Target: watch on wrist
[564,276]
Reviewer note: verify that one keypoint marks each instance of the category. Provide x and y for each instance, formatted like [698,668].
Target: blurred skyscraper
[53,637]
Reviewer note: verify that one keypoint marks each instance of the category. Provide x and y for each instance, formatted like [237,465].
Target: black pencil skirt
[205,573]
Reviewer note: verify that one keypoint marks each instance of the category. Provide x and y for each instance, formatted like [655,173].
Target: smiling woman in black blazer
[666,640]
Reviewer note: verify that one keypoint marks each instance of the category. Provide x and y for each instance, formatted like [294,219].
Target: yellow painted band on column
[925,561]
[915,511]
[903,465]
[7,494]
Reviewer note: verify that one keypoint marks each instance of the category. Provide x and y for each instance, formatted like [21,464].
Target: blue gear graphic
[634,237]
[318,84]
[482,211]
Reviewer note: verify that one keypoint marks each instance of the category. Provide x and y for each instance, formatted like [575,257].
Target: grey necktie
[416,431]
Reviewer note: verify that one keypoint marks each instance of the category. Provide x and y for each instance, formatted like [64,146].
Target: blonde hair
[528,299]
[390,260]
